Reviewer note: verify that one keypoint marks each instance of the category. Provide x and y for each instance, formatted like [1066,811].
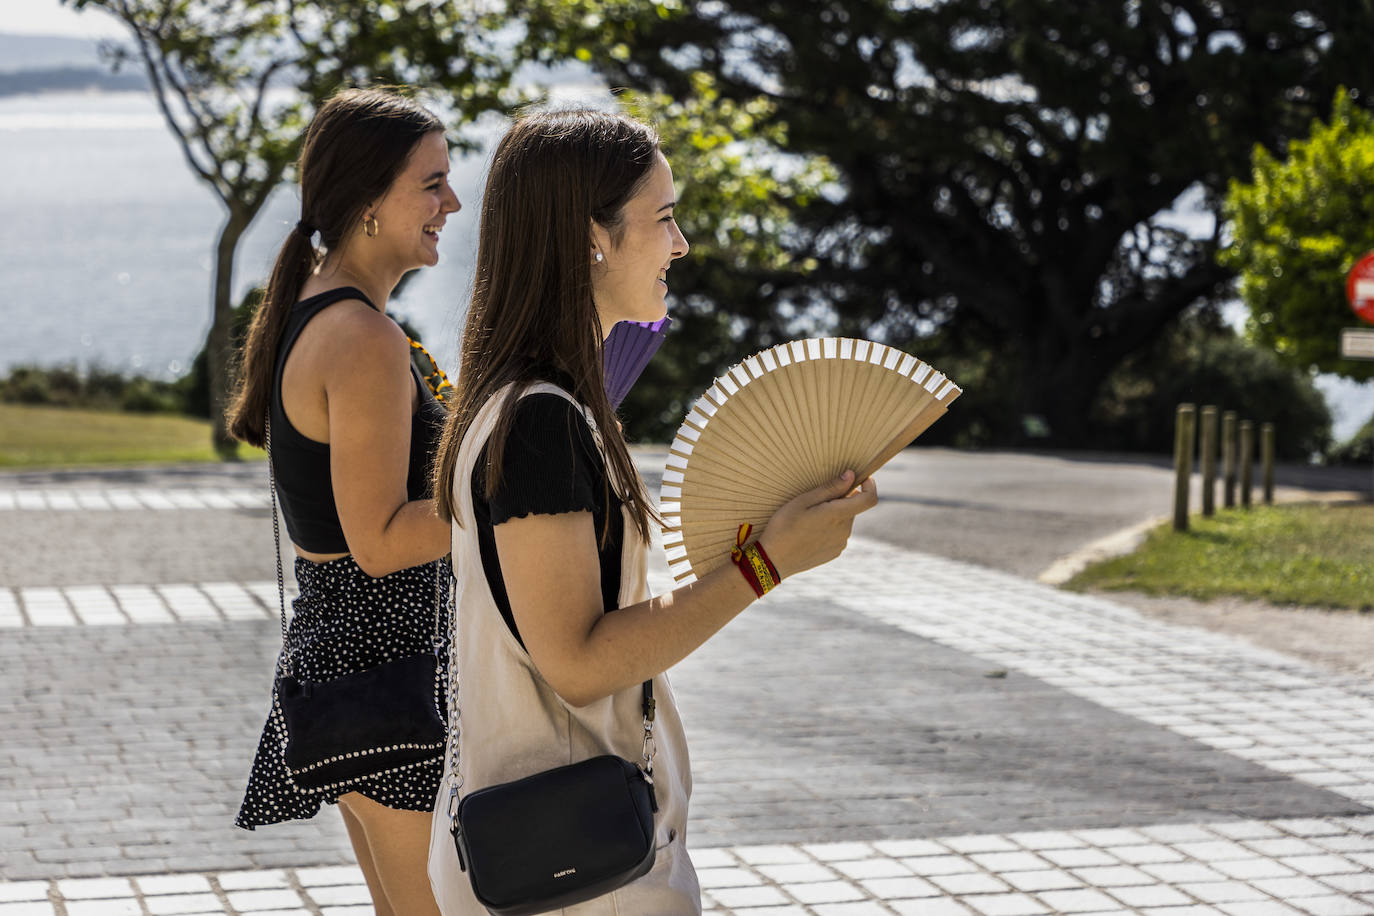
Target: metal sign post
[1358,343]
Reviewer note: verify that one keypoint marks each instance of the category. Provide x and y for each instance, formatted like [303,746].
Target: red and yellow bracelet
[753,563]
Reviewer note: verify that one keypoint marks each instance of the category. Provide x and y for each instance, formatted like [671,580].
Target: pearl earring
[600,257]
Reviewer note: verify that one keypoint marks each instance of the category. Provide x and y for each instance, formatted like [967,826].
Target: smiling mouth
[432,231]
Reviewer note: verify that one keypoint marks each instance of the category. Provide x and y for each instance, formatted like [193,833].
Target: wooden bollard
[1246,460]
[1185,430]
[1267,461]
[1228,459]
[1208,448]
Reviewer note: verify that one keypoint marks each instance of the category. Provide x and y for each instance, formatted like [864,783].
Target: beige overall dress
[513,724]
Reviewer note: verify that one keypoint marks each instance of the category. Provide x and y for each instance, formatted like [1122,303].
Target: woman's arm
[552,577]
[369,389]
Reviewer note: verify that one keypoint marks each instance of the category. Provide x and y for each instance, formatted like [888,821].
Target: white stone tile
[712,857]
[46,607]
[1085,900]
[1214,851]
[124,906]
[796,874]
[1009,861]
[940,907]
[329,874]
[1258,908]
[1149,895]
[824,892]
[1047,839]
[1334,905]
[27,908]
[188,602]
[1112,876]
[939,865]
[1361,883]
[1322,865]
[1284,846]
[738,897]
[975,883]
[12,891]
[861,908]
[179,904]
[900,888]
[269,899]
[141,604]
[1223,891]
[1077,858]
[173,884]
[340,894]
[899,849]
[1151,853]
[1050,880]
[1180,872]
[836,852]
[1114,837]
[1307,827]
[1249,869]
[252,880]
[770,855]
[1291,888]
[91,888]
[727,877]
[979,843]
[1005,905]
[872,868]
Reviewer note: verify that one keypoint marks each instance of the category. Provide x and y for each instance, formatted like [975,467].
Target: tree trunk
[218,351]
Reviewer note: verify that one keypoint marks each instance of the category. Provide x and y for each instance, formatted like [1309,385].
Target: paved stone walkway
[897,733]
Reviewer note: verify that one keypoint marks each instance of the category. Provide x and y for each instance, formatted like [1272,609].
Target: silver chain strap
[276,538]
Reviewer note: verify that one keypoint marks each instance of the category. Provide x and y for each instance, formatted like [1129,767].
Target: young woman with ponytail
[556,630]
[353,431]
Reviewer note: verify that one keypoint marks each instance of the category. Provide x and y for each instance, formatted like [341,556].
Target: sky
[49,17]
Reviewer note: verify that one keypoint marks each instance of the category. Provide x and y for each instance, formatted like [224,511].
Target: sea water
[107,240]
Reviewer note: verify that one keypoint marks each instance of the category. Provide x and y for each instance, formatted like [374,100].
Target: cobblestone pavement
[896,733]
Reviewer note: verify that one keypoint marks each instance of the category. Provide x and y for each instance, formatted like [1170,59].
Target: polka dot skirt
[346,621]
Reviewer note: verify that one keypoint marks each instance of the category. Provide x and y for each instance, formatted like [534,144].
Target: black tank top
[302,465]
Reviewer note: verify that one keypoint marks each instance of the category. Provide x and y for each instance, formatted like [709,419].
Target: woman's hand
[814,528]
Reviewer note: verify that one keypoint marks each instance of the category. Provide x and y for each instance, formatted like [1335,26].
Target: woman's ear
[601,242]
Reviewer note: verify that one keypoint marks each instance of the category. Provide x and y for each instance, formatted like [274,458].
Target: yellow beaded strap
[434,376]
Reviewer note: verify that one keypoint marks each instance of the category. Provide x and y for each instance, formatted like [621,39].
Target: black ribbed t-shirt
[550,465]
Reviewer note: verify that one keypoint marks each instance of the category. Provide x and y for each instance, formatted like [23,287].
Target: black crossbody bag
[366,723]
[556,838]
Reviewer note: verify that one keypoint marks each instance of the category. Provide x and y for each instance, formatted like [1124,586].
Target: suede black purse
[362,724]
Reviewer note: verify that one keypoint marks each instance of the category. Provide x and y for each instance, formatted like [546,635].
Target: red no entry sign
[1359,287]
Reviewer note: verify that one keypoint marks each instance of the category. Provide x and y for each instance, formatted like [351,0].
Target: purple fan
[628,350]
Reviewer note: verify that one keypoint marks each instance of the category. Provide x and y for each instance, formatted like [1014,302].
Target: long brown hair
[356,145]
[552,175]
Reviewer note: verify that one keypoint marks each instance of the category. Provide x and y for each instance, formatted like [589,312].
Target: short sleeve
[550,464]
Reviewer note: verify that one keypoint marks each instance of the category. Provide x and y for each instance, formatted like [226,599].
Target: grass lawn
[55,437]
[1315,555]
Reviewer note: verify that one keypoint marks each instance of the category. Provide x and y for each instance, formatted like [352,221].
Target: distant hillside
[44,63]
[70,79]
[44,52]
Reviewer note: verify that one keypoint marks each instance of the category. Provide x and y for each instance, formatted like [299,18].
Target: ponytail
[253,389]
[356,145]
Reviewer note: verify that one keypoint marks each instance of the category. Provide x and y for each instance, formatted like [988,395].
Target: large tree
[1004,169]
[238,80]
[1298,225]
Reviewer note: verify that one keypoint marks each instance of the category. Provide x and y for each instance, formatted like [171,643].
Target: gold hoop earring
[370,227]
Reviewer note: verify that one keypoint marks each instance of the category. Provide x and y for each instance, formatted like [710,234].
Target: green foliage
[97,388]
[1358,449]
[1315,555]
[1001,170]
[1203,362]
[1298,225]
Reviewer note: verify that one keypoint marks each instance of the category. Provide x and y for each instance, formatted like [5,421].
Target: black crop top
[550,465]
[301,464]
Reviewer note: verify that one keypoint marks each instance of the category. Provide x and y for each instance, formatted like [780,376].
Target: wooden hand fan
[787,419]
